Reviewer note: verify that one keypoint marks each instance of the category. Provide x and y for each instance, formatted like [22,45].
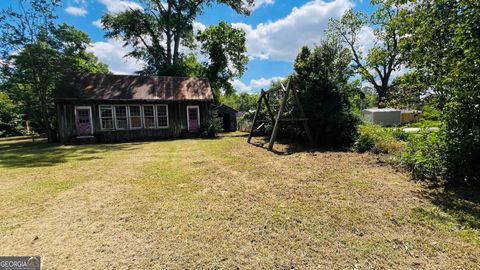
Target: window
[121,116]
[149,116]
[162,116]
[135,116]
[106,116]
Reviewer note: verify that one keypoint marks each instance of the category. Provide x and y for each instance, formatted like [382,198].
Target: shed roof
[223,106]
[132,87]
[381,110]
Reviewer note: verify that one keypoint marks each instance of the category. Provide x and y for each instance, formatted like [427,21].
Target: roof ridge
[138,75]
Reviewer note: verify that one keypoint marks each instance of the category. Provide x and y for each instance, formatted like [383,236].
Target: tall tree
[37,53]
[408,91]
[441,41]
[384,57]
[158,31]
[226,51]
[322,75]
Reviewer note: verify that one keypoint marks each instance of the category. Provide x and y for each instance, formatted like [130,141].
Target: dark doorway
[225,122]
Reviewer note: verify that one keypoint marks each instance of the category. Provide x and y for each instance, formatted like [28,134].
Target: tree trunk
[176,48]
[169,35]
[45,115]
[382,96]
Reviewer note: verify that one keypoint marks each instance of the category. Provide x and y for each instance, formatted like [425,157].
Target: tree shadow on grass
[23,154]
[236,134]
[461,203]
[286,146]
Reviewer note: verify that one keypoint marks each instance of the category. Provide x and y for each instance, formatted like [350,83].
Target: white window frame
[126,116]
[101,118]
[188,115]
[156,116]
[130,116]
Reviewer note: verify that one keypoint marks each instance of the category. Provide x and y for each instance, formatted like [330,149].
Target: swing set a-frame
[265,96]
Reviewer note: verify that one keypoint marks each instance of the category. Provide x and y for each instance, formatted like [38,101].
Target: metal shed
[383,116]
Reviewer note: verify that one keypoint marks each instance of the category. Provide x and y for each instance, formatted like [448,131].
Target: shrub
[378,139]
[322,77]
[462,139]
[213,125]
[423,155]
[10,120]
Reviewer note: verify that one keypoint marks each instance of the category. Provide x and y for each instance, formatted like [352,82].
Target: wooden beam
[259,106]
[273,90]
[302,114]
[279,115]
[265,98]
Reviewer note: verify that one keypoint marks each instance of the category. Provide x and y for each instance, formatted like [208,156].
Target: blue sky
[275,30]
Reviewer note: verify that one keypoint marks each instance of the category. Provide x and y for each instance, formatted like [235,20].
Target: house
[109,108]
[383,116]
[228,115]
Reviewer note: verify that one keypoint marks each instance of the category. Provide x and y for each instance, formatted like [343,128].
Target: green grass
[222,203]
[424,123]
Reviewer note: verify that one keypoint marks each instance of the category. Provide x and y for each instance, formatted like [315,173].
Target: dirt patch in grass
[194,204]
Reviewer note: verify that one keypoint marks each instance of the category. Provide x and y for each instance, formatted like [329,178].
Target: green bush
[322,77]
[423,155]
[462,139]
[10,120]
[377,139]
[213,125]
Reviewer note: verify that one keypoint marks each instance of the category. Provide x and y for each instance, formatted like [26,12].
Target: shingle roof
[131,87]
[226,107]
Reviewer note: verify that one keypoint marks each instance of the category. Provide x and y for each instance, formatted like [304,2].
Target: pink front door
[83,121]
[193,118]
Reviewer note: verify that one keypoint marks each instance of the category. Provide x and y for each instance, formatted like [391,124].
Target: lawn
[225,204]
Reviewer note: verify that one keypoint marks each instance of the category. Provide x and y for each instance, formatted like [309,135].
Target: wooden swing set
[264,96]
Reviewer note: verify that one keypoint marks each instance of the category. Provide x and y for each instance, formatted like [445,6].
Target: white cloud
[116,6]
[259,3]
[112,53]
[254,85]
[240,87]
[198,26]
[76,11]
[98,23]
[282,39]
[366,40]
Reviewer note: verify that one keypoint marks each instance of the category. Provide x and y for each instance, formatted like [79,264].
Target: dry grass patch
[194,204]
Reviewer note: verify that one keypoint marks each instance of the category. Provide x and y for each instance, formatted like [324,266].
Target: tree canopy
[441,41]
[322,75]
[378,65]
[226,51]
[158,32]
[37,53]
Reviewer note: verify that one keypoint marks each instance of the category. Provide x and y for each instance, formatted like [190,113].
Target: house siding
[177,116]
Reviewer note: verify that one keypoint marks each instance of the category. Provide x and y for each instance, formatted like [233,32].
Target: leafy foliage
[322,78]
[226,50]
[213,125]
[384,57]
[243,102]
[423,155]
[37,53]
[442,42]
[159,33]
[408,91]
[377,139]
[10,120]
